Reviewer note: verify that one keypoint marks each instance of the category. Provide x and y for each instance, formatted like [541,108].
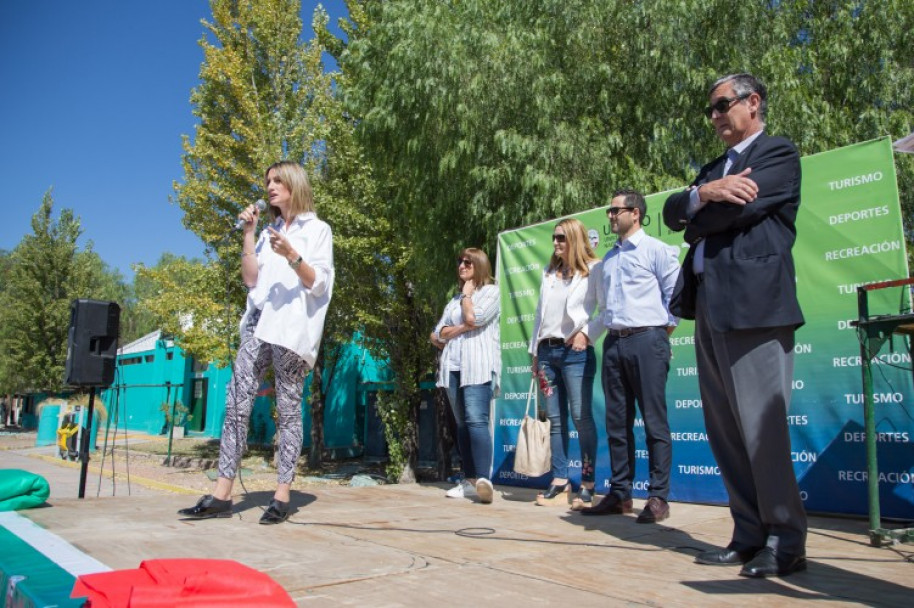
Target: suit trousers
[745,378]
[635,368]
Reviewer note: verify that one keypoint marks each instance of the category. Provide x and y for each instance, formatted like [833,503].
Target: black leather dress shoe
[725,557]
[769,563]
[207,507]
[276,513]
[611,504]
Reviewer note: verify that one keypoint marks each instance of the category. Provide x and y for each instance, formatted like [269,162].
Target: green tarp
[22,490]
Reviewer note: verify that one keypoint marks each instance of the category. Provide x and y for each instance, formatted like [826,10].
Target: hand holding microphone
[249,215]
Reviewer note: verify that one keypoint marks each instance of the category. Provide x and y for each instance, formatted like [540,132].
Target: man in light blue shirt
[633,298]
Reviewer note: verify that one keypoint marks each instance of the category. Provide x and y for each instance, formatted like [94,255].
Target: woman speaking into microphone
[288,270]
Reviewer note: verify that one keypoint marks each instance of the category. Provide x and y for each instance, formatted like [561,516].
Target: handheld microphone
[260,207]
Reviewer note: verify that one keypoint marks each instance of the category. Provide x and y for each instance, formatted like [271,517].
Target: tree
[264,97]
[143,302]
[253,106]
[489,115]
[44,273]
[480,116]
[375,270]
[174,296]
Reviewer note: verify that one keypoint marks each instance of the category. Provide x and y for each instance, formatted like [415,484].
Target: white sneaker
[484,490]
[464,489]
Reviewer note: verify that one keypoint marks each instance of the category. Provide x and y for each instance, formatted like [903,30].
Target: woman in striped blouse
[469,368]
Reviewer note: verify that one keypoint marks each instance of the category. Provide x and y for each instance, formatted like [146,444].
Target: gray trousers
[745,378]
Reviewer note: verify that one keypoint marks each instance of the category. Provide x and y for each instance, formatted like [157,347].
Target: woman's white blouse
[292,315]
[579,305]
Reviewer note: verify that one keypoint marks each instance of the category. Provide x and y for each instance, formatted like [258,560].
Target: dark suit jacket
[749,276]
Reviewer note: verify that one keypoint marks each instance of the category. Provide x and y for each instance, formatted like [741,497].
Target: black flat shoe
[276,513]
[208,507]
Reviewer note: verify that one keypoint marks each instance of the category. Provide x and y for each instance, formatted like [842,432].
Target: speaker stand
[84,445]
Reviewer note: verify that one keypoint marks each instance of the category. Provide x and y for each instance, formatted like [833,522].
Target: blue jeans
[571,375]
[470,405]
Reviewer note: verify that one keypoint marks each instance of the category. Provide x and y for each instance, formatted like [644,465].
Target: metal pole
[84,446]
[869,417]
[171,423]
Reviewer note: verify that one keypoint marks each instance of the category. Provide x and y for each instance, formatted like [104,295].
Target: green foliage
[43,275]
[394,419]
[187,300]
[254,106]
[489,115]
[377,263]
[480,116]
[263,97]
[142,317]
[178,415]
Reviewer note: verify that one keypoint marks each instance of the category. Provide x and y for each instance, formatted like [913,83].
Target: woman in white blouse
[469,368]
[289,273]
[564,359]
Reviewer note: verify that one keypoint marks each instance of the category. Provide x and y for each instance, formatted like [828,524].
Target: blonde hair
[580,253]
[292,176]
[482,268]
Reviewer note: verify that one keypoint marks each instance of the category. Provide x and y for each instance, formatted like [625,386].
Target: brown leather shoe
[611,504]
[656,509]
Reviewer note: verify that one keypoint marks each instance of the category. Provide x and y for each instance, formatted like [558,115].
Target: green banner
[849,232]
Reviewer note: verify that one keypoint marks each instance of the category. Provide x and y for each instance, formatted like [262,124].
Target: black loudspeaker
[92,349]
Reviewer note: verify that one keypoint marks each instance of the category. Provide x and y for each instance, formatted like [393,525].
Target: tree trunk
[410,441]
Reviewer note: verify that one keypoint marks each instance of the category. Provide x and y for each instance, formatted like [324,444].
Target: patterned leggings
[254,356]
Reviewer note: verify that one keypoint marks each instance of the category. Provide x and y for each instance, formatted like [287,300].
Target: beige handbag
[533,456]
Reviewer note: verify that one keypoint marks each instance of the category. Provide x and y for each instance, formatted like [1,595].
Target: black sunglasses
[613,211]
[724,104]
[558,238]
[464,262]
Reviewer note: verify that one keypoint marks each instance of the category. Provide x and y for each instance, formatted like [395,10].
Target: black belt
[628,331]
[554,341]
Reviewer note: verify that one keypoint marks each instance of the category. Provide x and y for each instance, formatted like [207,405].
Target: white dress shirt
[292,315]
[639,274]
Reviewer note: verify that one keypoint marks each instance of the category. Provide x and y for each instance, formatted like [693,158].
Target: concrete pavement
[408,545]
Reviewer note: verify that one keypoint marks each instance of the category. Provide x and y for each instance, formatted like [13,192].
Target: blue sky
[94,98]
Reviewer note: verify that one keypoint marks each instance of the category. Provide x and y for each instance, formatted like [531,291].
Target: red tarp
[163,583]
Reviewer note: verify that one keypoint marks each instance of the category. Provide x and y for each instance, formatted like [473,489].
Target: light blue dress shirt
[639,274]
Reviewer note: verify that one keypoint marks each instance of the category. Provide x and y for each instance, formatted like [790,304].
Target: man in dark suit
[738,283]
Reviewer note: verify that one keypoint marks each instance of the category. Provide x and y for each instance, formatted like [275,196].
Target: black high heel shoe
[555,495]
[583,500]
